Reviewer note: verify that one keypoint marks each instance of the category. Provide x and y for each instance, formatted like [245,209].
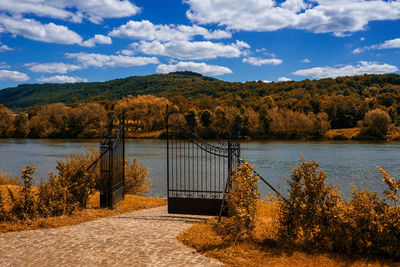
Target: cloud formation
[394,43]
[97,39]
[5,48]
[34,30]
[145,30]
[52,67]
[363,67]
[61,79]
[284,79]
[8,75]
[319,16]
[262,61]
[100,60]
[186,50]
[202,68]
[73,10]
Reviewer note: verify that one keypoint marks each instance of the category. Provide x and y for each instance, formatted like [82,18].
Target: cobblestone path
[141,238]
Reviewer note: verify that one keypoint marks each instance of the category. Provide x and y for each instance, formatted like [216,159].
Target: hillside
[26,95]
[194,86]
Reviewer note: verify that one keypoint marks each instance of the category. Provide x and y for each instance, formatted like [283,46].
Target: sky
[59,41]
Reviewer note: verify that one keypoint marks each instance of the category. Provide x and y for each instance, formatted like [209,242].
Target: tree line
[231,115]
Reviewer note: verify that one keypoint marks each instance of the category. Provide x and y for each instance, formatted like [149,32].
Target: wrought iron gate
[198,172]
[112,170]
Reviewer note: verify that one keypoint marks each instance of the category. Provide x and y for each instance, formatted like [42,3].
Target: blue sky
[45,41]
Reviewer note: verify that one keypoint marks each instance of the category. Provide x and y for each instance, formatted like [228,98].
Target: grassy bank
[93,212]
[265,249]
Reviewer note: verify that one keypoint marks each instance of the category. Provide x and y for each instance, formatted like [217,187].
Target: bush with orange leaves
[61,194]
[242,202]
[316,215]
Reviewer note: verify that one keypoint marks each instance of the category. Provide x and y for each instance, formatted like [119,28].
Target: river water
[345,162]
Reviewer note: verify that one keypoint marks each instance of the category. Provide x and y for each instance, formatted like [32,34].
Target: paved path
[141,238]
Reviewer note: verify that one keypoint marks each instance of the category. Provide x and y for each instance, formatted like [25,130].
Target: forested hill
[195,86]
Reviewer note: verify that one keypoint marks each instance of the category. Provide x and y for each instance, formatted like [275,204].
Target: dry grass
[348,134]
[147,135]
[345,134]
[394,133]
[265,250]
[5,179]
[93,212]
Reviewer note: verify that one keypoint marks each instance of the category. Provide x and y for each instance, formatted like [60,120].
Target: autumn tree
[376,124]
[50,121]
[85,120]
[148,109]
[6,121]
[21,125]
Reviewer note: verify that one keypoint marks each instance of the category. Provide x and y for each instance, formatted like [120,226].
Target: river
[344,161]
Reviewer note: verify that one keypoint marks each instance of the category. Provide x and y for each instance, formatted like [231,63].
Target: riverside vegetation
[266,120]
[314,227]
[24,206]
[369,104]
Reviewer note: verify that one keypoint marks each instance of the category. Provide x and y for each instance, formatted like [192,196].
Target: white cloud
[306,60]
[74,10]
[202,68]
[97,39]
[126,52]
[362,39]
[145,30]
[394,43]
[266,81]
[34,30]
[186,50]
[52,67]
[39,8]
[5,48]
[319,16]
[4,65]
[100,60]
[61,79]
[359,50]
[284,79]
[261,61]
[8,75]
[363,67]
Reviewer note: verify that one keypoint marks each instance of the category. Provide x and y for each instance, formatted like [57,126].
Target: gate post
[230,158]
[166,126]
[105,173]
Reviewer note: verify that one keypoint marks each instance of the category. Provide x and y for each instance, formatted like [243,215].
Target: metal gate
[198,172]
[112,170]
